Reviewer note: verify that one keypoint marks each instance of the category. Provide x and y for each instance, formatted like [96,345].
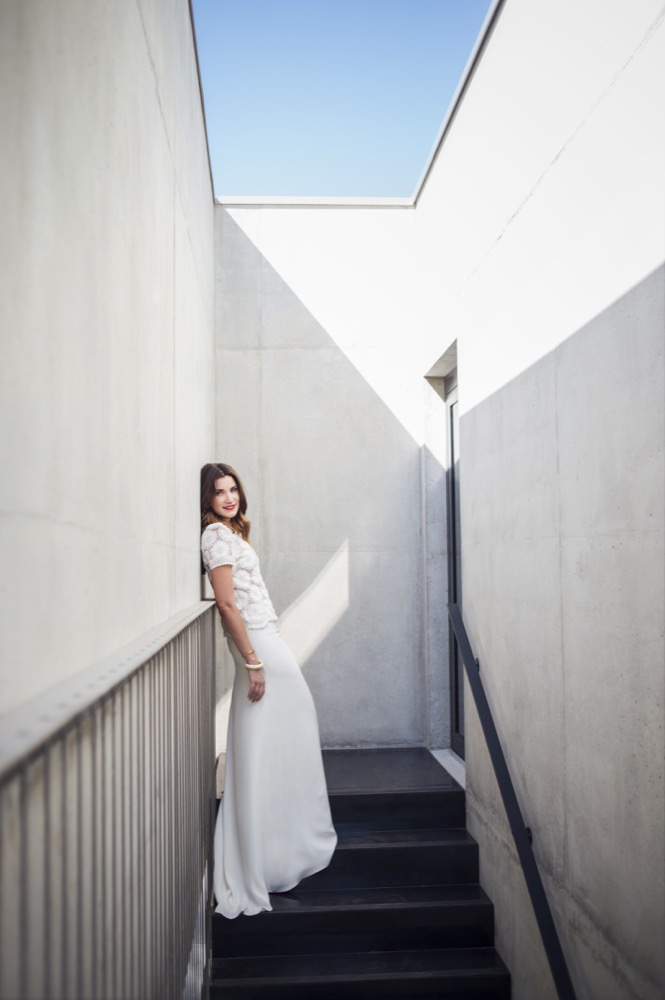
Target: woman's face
[226,499]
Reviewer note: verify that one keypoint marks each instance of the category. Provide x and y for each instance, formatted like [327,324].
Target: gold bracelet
[254,666]
[248,653]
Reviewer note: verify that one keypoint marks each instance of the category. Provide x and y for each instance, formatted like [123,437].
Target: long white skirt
[273,826]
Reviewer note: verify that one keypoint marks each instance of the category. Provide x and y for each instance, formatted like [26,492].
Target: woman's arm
[221,579]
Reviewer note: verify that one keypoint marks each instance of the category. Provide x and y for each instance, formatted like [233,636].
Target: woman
[273,826]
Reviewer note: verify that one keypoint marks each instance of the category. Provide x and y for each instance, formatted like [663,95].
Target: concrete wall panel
[541,235]
[536,245]
[568,625]
[519,222]
[106,246]
[333,480]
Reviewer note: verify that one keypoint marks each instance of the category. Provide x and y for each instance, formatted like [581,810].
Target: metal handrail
[521,833]
[107,793]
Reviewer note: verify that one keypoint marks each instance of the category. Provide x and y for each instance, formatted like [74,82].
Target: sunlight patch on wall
[313,615]
[513,246]
[355,273]
[222,709]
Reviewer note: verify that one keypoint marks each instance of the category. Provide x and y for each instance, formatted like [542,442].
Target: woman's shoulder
[217,526]
[219,530]
[220,546]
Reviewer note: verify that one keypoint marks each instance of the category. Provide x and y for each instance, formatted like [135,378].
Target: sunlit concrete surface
[535,246]
[106,254]
[453,764]
[146,333]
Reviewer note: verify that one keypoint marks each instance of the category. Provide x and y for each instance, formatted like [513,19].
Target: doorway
[454,562]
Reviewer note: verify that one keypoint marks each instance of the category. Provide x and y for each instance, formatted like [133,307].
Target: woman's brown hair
[210,473]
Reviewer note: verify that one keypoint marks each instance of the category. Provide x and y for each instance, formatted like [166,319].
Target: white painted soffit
[287,201]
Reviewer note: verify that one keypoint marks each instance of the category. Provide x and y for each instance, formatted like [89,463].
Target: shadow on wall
[335,492]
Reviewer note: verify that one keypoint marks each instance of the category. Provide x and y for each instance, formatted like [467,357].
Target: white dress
[273,826]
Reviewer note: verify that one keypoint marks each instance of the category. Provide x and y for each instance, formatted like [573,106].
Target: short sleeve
[217,548]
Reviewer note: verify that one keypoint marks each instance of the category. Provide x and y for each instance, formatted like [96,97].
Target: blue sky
[329,98]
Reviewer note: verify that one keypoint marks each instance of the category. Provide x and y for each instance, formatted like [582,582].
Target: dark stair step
[398,788]
[398,913]
[388,770]
[309,921]
[398,858]
[360,835]
[400,810]
[454,974]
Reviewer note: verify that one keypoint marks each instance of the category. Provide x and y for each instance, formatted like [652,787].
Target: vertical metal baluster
[155,858]
[175,842]
[131,872]
[105,779]
[22,901]
[185,840]
[94,860]
[186,851]
[158,764]
[136,838]
[150,929]
[201,734]
[161,827]
[177,734]
[190,846]
[195,793]
[47,915]
[4,975]
[159,821]
[169,901]
[64,934]
[140,772]
[167,866]
[130,857]
[113,779]
[3,943]
[10,825]
[80,873]
[124,849]
[145,726]
[146,722]
[195,877]
[177,983]
[167,801]
[181,903]
[192,852]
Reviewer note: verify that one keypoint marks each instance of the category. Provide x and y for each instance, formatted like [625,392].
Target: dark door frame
[456,673]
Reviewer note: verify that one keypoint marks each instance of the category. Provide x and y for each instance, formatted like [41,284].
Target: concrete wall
[314,309]
[563,586]
[106,251]
[542,238]
[537,246]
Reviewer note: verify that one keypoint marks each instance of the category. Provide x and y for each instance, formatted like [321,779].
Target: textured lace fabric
[222,547]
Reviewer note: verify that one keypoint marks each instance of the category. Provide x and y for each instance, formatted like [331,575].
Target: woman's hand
[221,578]
[257,684]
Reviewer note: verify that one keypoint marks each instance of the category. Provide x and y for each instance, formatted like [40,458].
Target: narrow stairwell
[399,912]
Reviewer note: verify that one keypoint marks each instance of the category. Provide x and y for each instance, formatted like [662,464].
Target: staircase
[399,912]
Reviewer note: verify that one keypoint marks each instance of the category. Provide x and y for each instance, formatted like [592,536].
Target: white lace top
[222,547]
